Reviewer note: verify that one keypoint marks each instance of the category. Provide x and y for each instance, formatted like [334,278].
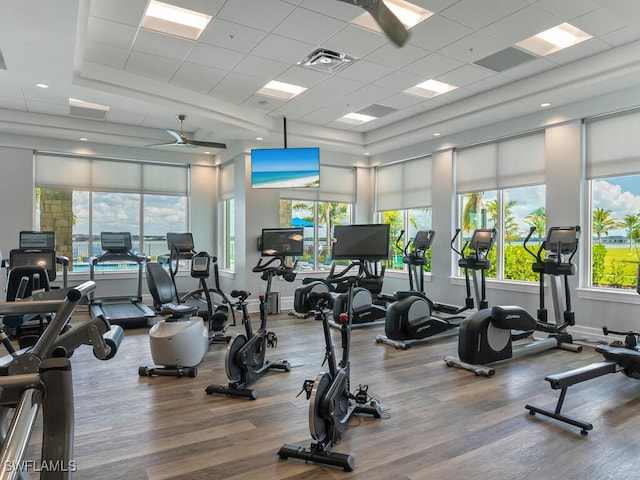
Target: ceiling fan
[388,22]
[182,141]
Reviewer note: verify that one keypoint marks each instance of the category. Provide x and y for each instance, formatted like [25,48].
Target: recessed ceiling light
[281,90]
[437,134]
[554,39]
[409,15]
[42,85]
[545,104]
[207,153]
[430,88]
[355,118]
[83,139]
[259,139]
[367,153]
[172,20]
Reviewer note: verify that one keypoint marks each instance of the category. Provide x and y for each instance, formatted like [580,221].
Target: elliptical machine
[487,336]
[245,359]
[331,403]
[409,319]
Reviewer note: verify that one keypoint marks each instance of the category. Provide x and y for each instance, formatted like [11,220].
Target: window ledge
[609,295]
[507,285]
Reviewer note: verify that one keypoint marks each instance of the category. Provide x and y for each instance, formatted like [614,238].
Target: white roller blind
[613,145]
[404,185]
[513,162]
[75,173]
[337,184]
[227,181]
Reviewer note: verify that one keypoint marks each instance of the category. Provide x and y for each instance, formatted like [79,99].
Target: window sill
[609,295]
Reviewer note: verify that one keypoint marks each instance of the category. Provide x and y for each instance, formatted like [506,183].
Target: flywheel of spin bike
[231,363]
[318,423]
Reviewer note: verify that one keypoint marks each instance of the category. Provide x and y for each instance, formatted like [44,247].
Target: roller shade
[337,184]
[513,162]
[404,185]
[79,173]
[227,181]
[612,145]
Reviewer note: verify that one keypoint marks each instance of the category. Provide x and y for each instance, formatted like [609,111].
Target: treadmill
[124,311]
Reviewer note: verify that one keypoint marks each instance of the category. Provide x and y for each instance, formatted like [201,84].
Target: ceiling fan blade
[205,144]
[167,144]
[388,22]
[175,135]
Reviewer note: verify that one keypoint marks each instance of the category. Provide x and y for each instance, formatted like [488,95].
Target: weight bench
[617,359]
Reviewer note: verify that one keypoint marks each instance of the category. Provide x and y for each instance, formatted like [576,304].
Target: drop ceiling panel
[582,50]
[465,75]
[282,49]
[522,24]
[398,80]
[402,101]
[313,27]
[364,70]
[480,13]
[473,47]
[323,116]
[229,35]
[163,45]
[600,22]
[236,87]
[432,65]
[197,77]
[160,68]
[114,57]
[261,67]
[355,41]
[302,76]
[263,15]
[437,32]
[622,36]
[13,103]
[109,32]
[395,57]
[568,9]
[216,57]
[128,12]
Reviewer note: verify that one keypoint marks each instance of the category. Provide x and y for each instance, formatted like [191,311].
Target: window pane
[162,214]
[330,214]
[615,225]
[229,234]
[523,208]
[302,215]
[479,210]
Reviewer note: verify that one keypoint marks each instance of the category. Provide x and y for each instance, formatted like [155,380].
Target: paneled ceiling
[96,51]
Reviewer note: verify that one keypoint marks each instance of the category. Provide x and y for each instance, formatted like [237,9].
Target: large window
[79,198]
[318,210]
[403,200]
[500,185]
[613,174]
[226,189]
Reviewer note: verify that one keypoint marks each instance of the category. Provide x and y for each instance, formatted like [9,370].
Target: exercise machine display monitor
[31,239]
[182,241]
[282,242]
[363,242]
[482,239]
[115,242]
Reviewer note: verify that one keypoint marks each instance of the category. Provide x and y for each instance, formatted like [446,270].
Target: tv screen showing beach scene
[285,167]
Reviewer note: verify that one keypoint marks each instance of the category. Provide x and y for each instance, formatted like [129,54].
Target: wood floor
[438,422]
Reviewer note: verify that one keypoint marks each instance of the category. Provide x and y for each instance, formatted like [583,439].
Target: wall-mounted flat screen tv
[282,242]
[285,167]
[361,242]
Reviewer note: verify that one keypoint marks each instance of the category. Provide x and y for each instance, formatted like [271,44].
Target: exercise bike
[331,403]
[487,336]
[618,357]
[245,358]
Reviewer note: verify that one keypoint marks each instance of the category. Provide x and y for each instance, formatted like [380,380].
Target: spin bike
[487,336]
[331,403]
[245,359]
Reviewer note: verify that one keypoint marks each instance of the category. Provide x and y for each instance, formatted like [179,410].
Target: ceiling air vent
[326,61]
